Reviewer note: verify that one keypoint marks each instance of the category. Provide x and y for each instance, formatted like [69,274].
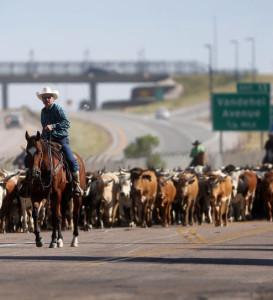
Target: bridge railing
[84,67]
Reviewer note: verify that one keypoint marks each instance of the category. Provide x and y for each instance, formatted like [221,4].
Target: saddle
[57,148]
[55,145]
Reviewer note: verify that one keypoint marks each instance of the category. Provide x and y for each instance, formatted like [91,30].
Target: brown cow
[143,193]
[10,193]
[165,196]
[248,180]
[220,193]
[267,186]
[186,192]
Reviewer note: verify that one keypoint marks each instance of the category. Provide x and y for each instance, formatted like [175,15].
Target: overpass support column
[4,96]
[93,95]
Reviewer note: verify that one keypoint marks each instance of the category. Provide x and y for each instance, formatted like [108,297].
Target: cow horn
[89,176]
[168,178]
[108,181]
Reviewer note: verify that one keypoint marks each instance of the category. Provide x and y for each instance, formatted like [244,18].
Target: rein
[53,171]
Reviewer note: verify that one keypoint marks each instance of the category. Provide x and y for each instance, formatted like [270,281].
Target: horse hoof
[53,245]
[39,243]
[75,242]
[132,224]
[60,243]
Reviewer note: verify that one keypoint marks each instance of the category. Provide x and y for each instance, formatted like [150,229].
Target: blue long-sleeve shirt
[55,116]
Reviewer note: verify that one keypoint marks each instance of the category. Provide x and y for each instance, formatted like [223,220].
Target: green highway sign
[253,87]
[271,114]
[241,112]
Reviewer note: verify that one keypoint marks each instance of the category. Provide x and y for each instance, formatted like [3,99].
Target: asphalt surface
[13,139]
[199,262]
[175,135]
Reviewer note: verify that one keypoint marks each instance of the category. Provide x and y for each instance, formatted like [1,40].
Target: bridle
[37,172]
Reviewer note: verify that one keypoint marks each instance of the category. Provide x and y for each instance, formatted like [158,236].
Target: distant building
[147,93]
[161,90]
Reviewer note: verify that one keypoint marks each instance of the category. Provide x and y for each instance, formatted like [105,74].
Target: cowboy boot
[77,190]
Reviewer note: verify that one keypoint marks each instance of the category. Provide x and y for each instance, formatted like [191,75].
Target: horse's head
[34,157]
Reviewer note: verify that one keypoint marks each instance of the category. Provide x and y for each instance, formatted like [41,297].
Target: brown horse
[200,159]
[49,182]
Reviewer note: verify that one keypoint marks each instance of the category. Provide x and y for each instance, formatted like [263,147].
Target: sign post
[247,110]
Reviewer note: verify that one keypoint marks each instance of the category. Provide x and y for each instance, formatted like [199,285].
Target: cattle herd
[144,197]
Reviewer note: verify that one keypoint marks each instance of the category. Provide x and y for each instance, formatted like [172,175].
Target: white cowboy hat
[47,90]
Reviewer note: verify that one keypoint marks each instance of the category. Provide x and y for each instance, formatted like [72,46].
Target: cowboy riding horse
[49,182]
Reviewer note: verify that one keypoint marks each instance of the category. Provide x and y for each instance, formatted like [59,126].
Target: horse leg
[76,211]
[53,243]
[35,214]
[24,215]
[58,217]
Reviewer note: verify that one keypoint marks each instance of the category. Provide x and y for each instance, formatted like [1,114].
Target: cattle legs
[269,209]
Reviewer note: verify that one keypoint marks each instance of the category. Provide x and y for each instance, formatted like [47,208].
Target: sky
[63,30]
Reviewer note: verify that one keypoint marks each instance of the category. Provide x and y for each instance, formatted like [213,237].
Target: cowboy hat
[47,91]
[196,143]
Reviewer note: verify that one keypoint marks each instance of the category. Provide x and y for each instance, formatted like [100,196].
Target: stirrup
[77,190]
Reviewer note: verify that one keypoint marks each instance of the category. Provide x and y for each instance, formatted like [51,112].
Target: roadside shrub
[142,147]
[154,161]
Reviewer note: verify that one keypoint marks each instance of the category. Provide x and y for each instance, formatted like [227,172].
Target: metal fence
[84,67]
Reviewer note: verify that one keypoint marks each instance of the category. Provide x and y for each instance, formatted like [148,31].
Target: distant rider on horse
[198,154]
[268,158]
[55,128]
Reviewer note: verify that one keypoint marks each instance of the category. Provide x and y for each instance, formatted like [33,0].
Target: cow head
[125,185]
[184,182]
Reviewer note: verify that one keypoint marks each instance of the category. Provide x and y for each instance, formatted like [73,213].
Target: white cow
[125,200]
[110,198]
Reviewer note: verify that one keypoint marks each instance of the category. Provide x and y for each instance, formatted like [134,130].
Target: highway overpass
[91,73]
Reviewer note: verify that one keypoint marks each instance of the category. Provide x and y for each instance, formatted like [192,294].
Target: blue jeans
[73,164]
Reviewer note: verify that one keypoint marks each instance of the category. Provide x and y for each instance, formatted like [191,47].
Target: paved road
[199,262]
[176,134]
[14,138]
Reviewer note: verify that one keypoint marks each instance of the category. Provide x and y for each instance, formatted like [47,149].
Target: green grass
[88,139]
[196,90]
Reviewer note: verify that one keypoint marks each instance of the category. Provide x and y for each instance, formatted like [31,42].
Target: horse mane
[55,148]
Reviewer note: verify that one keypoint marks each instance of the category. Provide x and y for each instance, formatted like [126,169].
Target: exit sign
[253,87]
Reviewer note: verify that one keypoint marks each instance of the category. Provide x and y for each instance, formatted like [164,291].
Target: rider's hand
[48,127]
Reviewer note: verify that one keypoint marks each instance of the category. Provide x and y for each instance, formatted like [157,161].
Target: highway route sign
[241,111]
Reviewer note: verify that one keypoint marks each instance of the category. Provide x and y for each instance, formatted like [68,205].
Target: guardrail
[82,68]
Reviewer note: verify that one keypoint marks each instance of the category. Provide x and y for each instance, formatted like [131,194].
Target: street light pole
[253,63]
[236,45]
[253,57]
[210,73]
